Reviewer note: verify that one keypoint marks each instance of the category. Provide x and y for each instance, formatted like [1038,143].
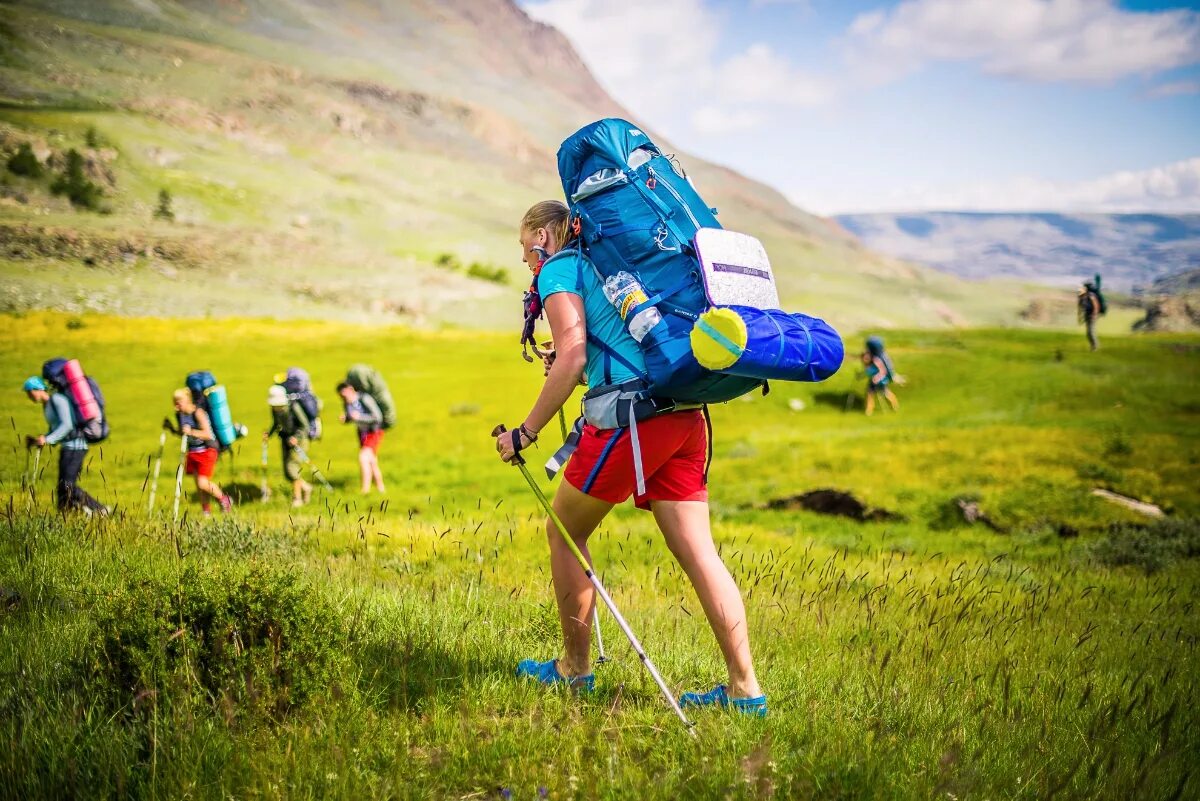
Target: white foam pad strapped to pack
[736,269]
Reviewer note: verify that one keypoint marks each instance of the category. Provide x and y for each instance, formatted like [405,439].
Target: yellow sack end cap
[718,338]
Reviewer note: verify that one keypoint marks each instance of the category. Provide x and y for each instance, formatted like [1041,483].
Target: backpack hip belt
[618,406]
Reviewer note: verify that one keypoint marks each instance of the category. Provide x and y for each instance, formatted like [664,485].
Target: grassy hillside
[323,162]
[364,648]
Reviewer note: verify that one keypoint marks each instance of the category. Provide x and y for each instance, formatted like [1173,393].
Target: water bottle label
[630,301]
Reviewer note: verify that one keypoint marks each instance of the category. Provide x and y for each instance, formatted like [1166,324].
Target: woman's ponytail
[552,215]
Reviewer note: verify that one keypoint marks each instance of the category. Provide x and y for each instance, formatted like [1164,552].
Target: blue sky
[853,105]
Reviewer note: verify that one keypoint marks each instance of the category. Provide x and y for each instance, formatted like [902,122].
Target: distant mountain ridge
[1129,250]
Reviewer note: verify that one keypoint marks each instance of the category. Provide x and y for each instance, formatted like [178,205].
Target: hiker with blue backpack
[880,374]
[194,424]
[68,429]
[663,312]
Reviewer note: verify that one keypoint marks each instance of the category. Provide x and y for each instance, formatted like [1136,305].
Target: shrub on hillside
[25,162]
[256,640]
[497,275]
[164,210]
[75,185]
[447,261]
[1151,548]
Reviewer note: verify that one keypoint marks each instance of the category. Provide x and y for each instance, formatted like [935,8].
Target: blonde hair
[182,395]
[552,215]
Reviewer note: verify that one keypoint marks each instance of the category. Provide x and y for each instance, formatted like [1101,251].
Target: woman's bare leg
[573,591]
[685,526]
[364,469]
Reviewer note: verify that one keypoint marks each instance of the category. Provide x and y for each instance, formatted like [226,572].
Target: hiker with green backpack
[370,409]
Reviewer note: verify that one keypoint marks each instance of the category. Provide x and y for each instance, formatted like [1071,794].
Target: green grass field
[364,648]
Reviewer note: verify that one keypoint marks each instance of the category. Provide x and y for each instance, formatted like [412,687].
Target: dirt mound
[833,502]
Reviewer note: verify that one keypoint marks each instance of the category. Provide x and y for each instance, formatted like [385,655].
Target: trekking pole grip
[501,429]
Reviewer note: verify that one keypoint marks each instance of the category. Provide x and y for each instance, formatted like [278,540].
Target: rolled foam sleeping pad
[222,418]
[81,391]
[768,344]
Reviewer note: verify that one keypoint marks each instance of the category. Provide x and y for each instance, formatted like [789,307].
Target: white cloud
[718,121]
[1040,40]
[1168,188]
[760,75]
[662,60]
[1175,88]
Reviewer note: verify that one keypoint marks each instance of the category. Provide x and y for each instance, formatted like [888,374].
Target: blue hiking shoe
[547,673]
[756,707]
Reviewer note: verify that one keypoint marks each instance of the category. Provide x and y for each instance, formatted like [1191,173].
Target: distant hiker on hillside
[1091,306]
[362,410]
[202,450]
[881,373]
[73,447]
[290,421]
[878,379]
[590,337]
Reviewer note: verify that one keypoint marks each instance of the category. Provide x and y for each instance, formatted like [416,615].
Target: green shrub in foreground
[254,640]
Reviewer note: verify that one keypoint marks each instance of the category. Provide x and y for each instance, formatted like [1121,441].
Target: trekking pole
[179,475]
[162,444]
[598,585]
[264,488]
[313,466]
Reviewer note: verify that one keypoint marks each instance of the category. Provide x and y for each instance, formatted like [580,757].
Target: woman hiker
[600,474]
[289,421]
[363,411]
[202,451]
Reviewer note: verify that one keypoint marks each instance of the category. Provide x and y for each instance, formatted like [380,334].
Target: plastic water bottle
[625,293]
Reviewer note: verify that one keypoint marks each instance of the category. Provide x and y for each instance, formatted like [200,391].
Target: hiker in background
[1091,306]
[290,421]
[878,379]
[73,447]
[193,422]
[881,373]
[363,411]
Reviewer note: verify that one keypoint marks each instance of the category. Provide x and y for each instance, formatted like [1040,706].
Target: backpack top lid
[296,380]
[53,371]
[875,345]
[199,381]
[605,144]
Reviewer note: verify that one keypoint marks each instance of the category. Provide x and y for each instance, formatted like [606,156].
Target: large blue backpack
[635,210]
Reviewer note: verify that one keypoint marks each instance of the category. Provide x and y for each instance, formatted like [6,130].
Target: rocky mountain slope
[364,160]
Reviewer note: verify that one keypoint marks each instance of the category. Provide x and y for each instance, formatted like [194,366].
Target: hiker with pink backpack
[74,409]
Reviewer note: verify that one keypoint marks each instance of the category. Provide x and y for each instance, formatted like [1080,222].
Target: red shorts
[674,455]
[370,439]
[201,463]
